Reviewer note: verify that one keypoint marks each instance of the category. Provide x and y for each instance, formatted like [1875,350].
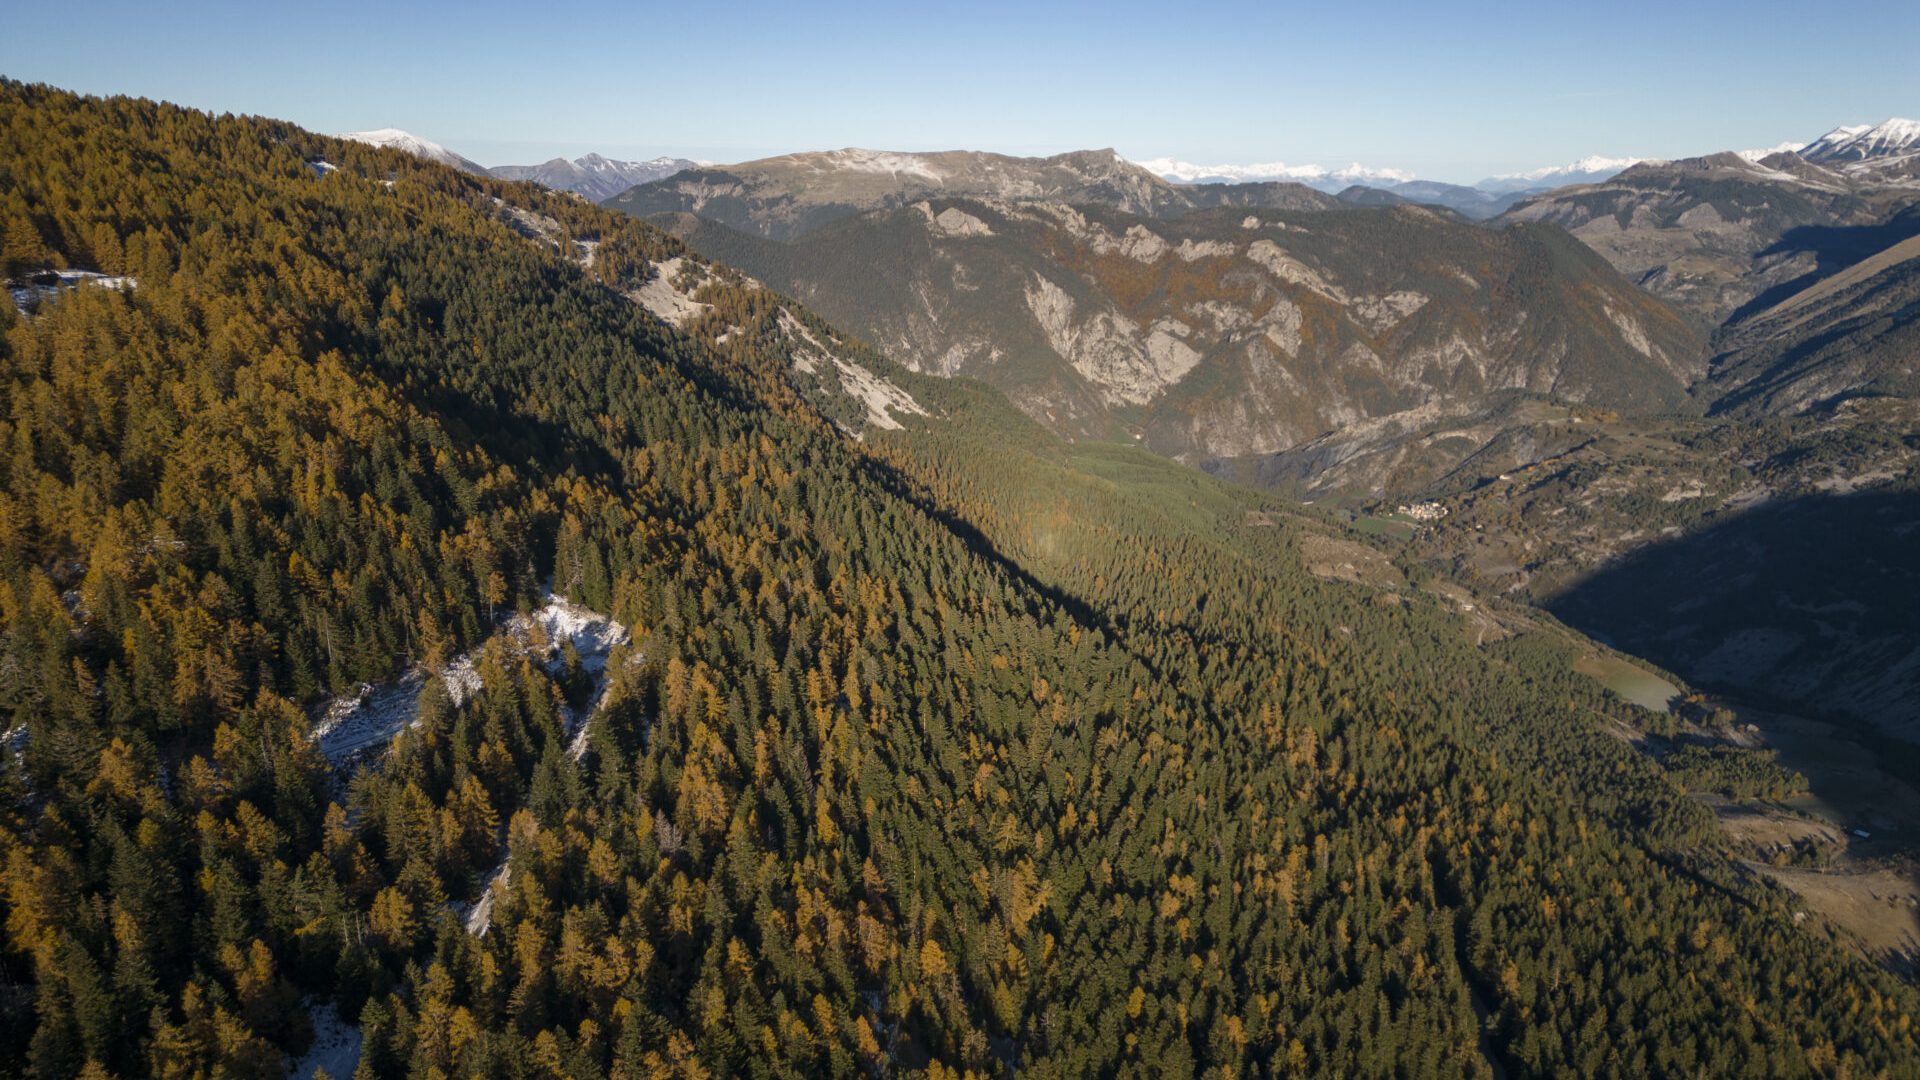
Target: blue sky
[1451,92]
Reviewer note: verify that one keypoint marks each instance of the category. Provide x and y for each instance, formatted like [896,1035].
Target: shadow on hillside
[1811,602]
[1834,248]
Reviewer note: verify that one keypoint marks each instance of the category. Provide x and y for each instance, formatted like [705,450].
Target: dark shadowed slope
[1811,601]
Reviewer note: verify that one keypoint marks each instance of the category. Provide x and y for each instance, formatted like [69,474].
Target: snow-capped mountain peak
[1860,142]
[1592,163]
[406,141]
[594,176]
[600,163]
[1834,138]
[1588,170]
[1768,151]
[1319,176]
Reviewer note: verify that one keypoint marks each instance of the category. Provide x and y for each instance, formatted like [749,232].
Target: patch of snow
[369,718]
[593,635]
[30,291]
[336,1046]
[1781,176]
[350,727]
[595,177]
[322,167]
[481,917]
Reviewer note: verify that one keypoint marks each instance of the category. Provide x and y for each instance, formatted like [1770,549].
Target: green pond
[1647,690]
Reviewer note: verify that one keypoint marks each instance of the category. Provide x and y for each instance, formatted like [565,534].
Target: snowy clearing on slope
[29,292]
[336,1046]
[481,917]
[352,726]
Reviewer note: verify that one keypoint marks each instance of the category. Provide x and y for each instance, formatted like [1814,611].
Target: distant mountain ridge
[1225,332]
[791,195]
[1874,145]
[1723,237]
[1363,185]
[1865,142]
[1335,180]
[1319,177]
[1869,146]
[594,177]
[1588,170]
[1471,202]
[1714,233]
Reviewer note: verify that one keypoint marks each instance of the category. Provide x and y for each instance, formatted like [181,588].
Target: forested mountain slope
[944,749]
[1230,332]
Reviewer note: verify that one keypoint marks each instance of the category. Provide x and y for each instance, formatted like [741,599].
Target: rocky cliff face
[1228,332]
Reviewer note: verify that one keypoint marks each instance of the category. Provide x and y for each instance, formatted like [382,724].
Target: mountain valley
[1222,333]
[950,614]
[1379,356]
